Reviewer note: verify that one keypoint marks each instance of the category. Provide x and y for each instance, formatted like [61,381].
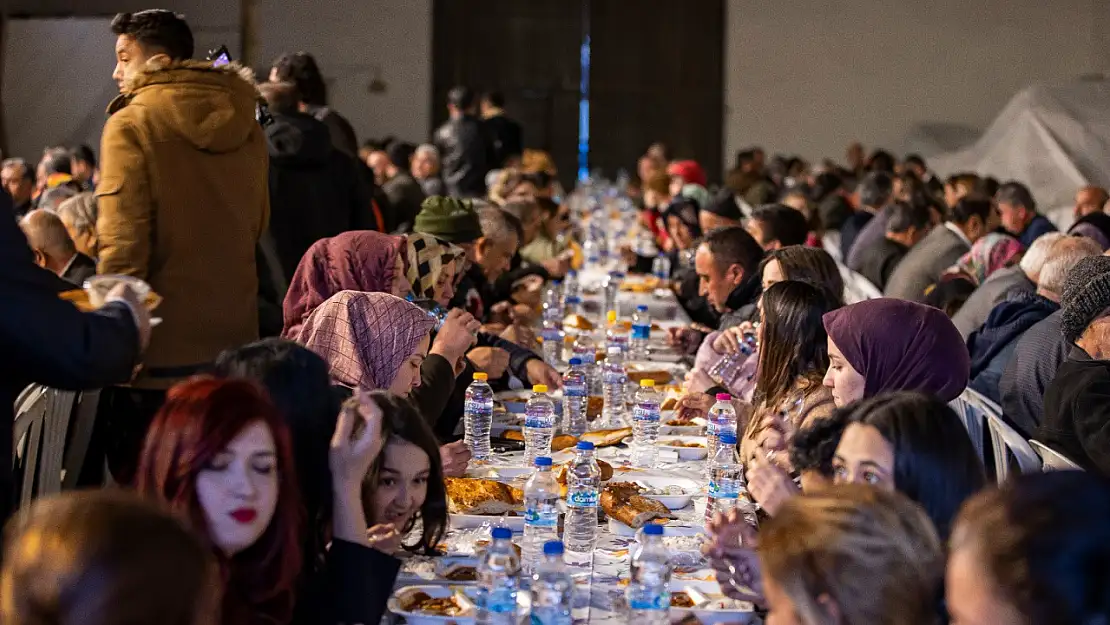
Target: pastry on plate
[607,438]
[578,322]
[480,496]
[622,501]
[660,376]
[559,443]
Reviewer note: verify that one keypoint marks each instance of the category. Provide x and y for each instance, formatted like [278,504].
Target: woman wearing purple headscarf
[883,345]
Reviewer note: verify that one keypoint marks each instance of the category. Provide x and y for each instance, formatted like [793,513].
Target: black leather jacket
[464,152]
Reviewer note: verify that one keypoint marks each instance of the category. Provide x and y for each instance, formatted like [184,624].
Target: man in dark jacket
[463,146]
[505,135]
[1018,212]
[47,341]
[1077,403]
[315,191]
[54,250]
[301,69]
[906,225]
[874,193]
[18,180]
[404,193]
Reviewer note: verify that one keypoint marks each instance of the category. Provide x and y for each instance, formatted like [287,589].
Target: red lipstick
[244,515]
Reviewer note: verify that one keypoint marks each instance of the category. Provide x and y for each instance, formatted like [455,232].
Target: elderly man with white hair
[54,249]
[1002,284]
[78,213]
[425,169]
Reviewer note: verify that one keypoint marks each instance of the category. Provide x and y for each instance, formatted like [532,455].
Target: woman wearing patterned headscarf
[415,264]
[371,341]
[989,254]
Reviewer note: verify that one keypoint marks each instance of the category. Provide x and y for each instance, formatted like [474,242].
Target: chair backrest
[1006,443]
[47,454]
[1053,460]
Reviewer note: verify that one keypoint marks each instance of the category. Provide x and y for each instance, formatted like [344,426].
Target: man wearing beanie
[450,220]
[1077,403]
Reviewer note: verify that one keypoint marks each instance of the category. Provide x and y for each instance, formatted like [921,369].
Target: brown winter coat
[183,199]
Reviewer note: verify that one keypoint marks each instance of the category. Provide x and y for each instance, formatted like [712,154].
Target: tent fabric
[1054,138]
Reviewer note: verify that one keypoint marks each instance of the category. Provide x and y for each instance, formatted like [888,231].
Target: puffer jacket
[183,201]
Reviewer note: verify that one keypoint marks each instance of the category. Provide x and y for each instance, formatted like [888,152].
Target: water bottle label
[661,601]
[541,515]
[539,421]
[648,414]
[574,391]
[478,408]
[549,616]
[724,490]
[641,332]
[582,499]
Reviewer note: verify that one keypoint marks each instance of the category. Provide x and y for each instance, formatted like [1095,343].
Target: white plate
[686,453]
[696,427]
[417,618]
[715,614]
[672,528]
[690,488]
[472,521]
[431,570]
[445,565]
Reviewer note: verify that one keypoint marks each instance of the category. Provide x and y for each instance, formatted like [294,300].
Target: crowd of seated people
[284,435]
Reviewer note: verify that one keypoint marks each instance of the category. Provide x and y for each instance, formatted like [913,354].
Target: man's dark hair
[969,206]
[733,245]
[495,98]
[782,223]
[281,97]
[157,30]
[84,154]
[881,160]
[28,171]
[400,154]
[461,98]
[1013,192]
[300,69]
[824,185]
[876,188]
[57,161]
[915,159]
[901,216]
[745,157]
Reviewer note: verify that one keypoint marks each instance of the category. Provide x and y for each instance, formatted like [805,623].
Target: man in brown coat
[183,200]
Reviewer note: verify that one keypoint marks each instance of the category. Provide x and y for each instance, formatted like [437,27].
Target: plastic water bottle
[498,581]
[641,333]
[645,424]
[553,302]
[592,251]
[724,477]
[478,416]
[580,526]
[661,267]
[539,424]
[585,349]
[612,288]
[552,588]
[648,592]
[575,395]
[722,420]
[552,342]
[726,368]
[616,335]
[541,512]
[572,305]
[570,290]
[613,380]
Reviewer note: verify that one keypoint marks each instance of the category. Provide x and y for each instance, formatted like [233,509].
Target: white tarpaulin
[1054,138]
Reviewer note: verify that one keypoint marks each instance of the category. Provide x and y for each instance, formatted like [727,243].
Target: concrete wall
[809,76]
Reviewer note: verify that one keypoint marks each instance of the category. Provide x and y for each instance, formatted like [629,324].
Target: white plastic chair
[1053,460]
[974,411]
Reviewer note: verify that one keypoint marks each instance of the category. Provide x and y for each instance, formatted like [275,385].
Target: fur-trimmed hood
[211,107]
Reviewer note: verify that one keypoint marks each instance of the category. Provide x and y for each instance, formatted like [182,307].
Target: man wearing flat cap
[1077,403]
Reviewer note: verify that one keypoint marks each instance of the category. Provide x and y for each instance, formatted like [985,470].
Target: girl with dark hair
[219,454]
[105,558]
[792,357]
[1035,551]
[912,443]
[405,484]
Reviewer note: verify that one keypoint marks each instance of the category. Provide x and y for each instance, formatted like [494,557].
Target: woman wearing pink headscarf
[371,341]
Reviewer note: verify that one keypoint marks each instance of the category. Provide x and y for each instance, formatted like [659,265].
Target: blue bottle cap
[574,362]
[651,529]
[728,439]
[553,548]
[502,533]
[544,461]
[584,446]
[572,272]
[641,308]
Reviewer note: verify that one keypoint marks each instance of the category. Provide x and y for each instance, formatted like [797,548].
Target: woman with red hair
[220,455]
